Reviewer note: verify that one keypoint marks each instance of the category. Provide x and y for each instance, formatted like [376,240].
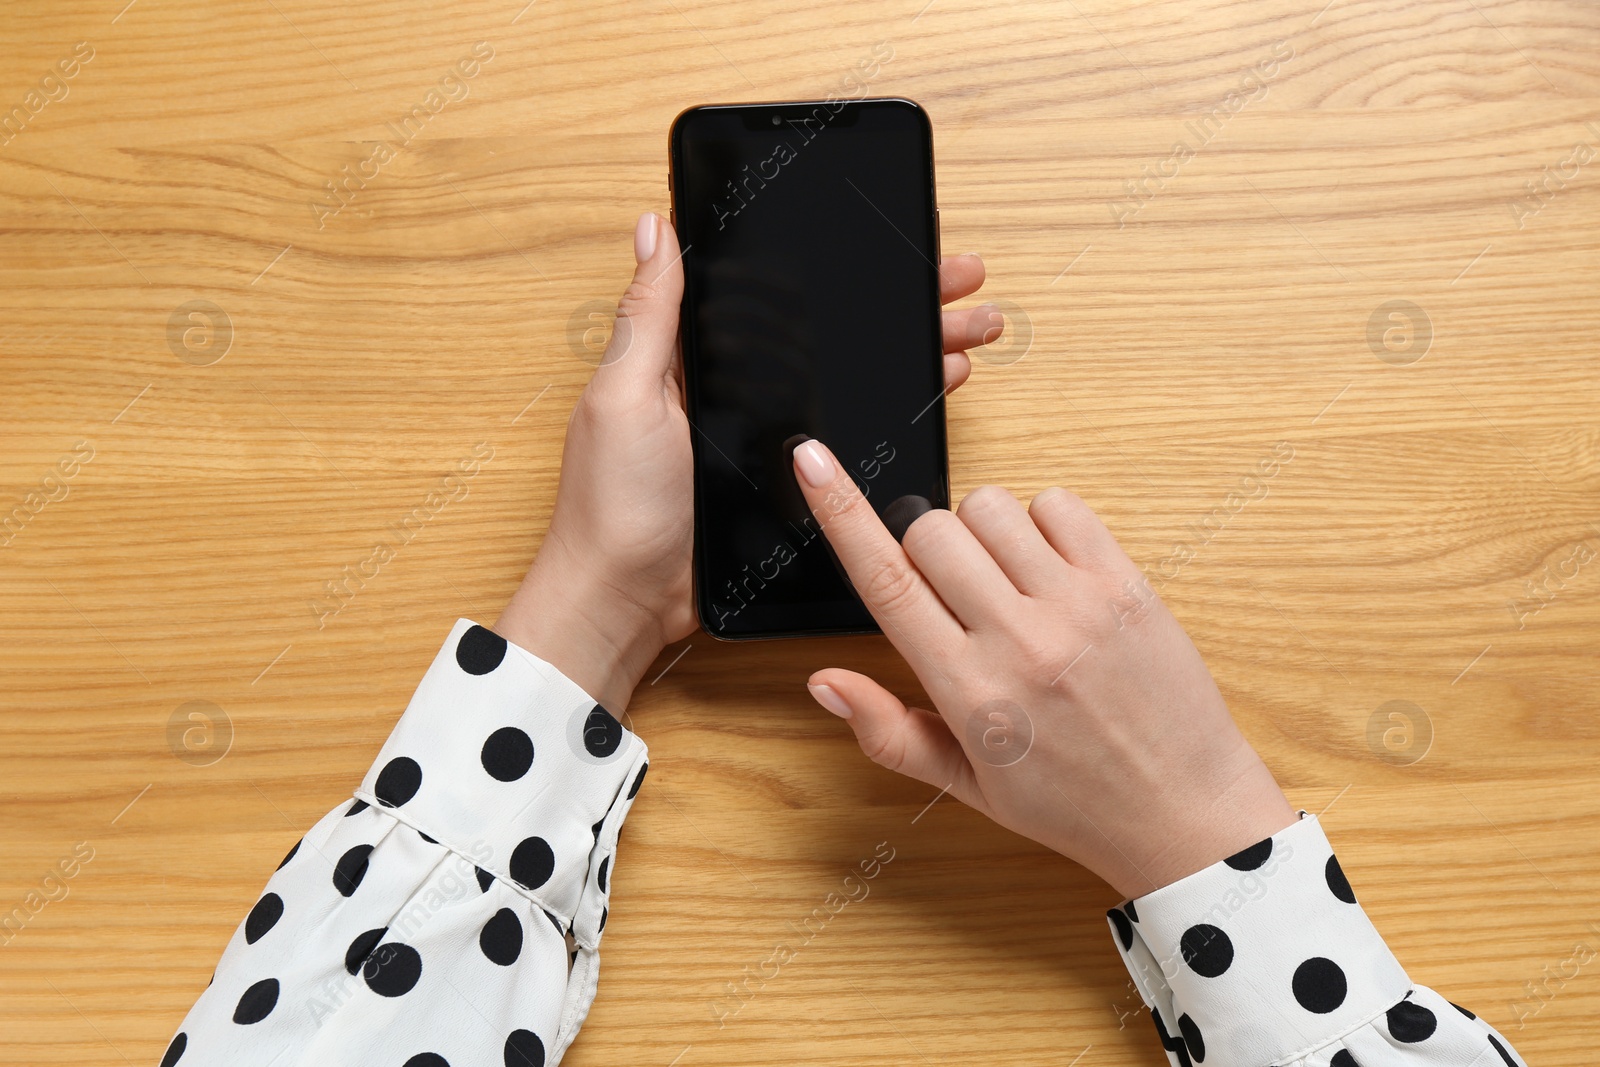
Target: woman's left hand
[611,585]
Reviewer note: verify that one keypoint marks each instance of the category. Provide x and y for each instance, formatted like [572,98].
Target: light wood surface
[1382,160]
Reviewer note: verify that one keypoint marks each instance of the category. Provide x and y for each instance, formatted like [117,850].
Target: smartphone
[810,237]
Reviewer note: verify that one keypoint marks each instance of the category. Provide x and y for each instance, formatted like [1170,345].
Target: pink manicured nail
[828,698]
[815,466]
[644,237]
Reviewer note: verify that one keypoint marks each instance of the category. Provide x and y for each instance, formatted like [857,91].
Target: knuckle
[636,297]
[586,415]
[889,585]
[1038,659]
[600,405]
[843,501]
[886,748]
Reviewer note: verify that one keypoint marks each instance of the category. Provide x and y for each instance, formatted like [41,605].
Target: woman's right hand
[1072,707]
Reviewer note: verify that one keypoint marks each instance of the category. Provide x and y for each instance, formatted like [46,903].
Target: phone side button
[938,237]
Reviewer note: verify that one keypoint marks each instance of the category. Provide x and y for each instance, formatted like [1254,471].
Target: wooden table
[1431,541]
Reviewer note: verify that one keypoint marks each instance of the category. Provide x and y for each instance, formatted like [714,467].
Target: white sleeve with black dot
[449,915]
[1266,960]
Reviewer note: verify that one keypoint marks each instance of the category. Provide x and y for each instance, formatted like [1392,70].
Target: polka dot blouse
[1266,960]
[450,915]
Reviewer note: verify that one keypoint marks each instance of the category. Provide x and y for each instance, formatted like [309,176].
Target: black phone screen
[810,308]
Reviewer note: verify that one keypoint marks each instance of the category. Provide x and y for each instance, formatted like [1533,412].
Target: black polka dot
[596,828]
[1207,950]
[485,879]
[1251,858]
[398,782]
[604,914]
[356,955]
[532,863]
[257,1002]
[501,938]
[1410,1022]
[351,868]
[1133,913]
[1462,1010]
[1192,1038]
[1319,985]
[1498,1047]
[289,856]
[357,808]
[605,866]
[1172,1044]
[1338,883]
[602,733]
[425,837]
[524,1049]
[175,1050]
[554,922]
[507,754]
[480,651]
[392,970]
[263,917]
[638,780]
[1124,928]
[427,1059]
[1342,1058]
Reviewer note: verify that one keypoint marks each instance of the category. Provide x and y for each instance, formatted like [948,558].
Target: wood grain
[1384,159]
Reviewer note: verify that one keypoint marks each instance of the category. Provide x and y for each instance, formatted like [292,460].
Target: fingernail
[825,695]
[815,465]
[644,237]
[901,513]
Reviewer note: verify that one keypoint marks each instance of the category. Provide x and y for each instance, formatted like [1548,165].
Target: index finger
[913,617]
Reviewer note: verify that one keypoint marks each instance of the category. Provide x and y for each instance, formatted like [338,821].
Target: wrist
[573,619]
[1250,809]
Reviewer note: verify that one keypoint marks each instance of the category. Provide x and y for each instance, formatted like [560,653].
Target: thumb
[909,741]
[646,332]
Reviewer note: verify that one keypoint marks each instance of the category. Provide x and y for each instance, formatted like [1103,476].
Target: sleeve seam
[393,813]
[1360,1025]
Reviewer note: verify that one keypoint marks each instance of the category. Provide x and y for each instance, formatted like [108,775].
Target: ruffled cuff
[451,913]
[502,758]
